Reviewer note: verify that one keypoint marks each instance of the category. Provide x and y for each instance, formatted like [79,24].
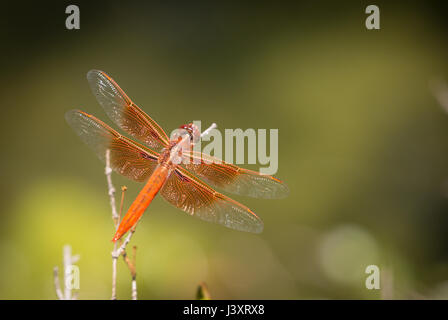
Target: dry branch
[57,285]
[68,261]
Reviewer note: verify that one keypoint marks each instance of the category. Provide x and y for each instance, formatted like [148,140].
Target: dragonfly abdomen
[143,200]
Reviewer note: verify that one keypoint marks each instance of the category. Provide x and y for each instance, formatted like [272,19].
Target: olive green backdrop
[363,146]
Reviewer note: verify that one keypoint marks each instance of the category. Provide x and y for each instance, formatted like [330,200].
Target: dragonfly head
[193,131]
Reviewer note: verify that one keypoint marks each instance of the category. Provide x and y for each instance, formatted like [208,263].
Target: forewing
[124,112]
[128,158]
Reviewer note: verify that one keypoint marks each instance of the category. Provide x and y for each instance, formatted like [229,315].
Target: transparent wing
[234,179]
[128,158]
[189,194]
[124,112]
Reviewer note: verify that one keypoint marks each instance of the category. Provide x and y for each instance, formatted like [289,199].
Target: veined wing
[234,179]
[124,112]
[128,158]
[189,194]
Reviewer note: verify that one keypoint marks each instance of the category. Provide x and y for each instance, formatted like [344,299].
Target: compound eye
[195,134]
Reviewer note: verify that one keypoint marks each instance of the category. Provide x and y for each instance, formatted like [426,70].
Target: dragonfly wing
[128,158]
[124,112]
[234,179]
[189,194]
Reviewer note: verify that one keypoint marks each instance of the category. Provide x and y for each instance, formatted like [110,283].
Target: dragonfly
[160,162]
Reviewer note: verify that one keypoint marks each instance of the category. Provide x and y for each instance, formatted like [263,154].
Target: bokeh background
[363,146]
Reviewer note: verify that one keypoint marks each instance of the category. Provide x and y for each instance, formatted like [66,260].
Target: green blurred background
[362,146]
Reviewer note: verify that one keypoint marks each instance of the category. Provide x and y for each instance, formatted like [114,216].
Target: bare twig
[114,275]
[67,254]
[122,248]
[123,190]
[69,260]
[134,274]
[115,219]
[134,289]
[115,255]
[131,264]
[132,268]
[206,132]
[57,285]
[69,273]
[111,189]
[114,259]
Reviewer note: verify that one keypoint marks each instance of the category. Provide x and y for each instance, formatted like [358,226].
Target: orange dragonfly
[159,162]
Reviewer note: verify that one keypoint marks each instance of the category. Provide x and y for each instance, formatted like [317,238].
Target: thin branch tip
[206,132]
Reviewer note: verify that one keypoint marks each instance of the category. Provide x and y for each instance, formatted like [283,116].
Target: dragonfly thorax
[173,154]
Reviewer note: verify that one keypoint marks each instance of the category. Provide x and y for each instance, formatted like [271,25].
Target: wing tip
[93,73]
[278,190]
[259,228]
[75,114]
[282,192]
[71,115]
[255,227]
